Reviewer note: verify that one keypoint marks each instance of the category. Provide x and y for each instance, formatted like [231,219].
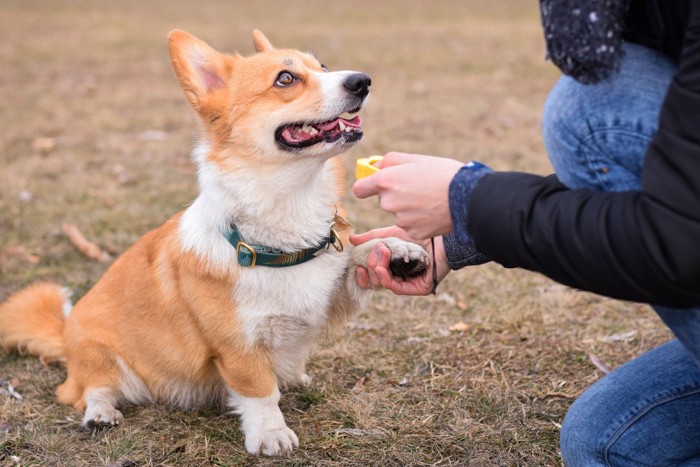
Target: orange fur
[39,331]
[163,323]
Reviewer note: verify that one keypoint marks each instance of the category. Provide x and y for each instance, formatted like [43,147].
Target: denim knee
[561,119]
[579,440]
[643,413]
[596,135]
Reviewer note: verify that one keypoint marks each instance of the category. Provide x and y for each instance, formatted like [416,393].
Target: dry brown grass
[461,79]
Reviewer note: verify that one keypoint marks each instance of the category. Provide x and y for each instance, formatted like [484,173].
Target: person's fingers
[358,239]
[394,158]
[386,279]
[362,277]
[400,287]
[369,186]
[366,187]
[374,261]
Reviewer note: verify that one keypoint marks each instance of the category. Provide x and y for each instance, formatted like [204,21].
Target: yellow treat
[365,166]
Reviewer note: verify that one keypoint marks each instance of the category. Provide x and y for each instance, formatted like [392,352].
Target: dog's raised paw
[272,442]
[407,259]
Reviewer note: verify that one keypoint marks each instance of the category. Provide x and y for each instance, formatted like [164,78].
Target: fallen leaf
[44,145]
[83,245]
[14,393]
[622,337]
[458,327]
[25,196]
[18,252]
[599,364]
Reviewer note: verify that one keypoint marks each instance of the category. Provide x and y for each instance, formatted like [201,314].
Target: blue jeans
[646,412]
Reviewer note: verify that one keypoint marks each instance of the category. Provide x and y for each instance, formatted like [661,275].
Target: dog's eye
[324,68]
[285,78]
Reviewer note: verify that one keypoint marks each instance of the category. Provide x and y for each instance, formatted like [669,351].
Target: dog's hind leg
[101,408]
[92,385]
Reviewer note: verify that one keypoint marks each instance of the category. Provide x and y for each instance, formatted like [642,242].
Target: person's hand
[415,188]
[377,274]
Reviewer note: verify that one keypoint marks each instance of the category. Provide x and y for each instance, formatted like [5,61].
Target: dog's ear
[200,69]
[262,44]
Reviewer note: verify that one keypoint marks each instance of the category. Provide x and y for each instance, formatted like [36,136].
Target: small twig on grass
[359,383]
[10,390]
[563,395]
[83,245]
[358,432]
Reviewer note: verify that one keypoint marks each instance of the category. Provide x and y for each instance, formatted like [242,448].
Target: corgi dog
[222,304]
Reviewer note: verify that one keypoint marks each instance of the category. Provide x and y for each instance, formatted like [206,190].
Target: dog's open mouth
[305,134]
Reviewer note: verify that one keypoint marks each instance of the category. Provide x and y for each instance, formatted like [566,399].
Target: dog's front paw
[101,415]
[271,442]
[407,259]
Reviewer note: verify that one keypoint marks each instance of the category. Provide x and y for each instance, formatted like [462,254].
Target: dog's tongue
[294,135]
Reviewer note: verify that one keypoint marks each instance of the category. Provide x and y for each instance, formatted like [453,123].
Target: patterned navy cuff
[459,256]
[461,188]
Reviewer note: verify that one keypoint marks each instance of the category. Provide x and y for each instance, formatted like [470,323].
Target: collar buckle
[334,239]
[246,255]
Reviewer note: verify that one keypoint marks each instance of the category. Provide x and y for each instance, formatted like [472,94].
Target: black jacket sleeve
[640,246]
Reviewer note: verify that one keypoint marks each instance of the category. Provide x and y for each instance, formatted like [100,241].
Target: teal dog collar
[258,255]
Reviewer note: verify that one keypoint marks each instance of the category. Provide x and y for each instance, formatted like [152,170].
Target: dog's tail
[31,320]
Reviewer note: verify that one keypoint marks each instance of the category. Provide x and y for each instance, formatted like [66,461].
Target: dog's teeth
[342,125]
[312,131]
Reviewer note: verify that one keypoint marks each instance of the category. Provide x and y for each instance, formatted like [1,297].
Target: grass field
[96,132]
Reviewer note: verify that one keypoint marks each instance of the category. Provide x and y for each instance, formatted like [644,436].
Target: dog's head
[277,101]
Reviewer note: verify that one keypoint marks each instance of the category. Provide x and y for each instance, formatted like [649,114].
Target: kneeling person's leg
[644,413]
[596,135]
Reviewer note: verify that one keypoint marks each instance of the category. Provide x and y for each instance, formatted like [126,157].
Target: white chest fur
[287,308]
[301,293]
[284,308]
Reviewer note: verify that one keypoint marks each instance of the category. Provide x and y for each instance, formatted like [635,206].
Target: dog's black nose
[358,84]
